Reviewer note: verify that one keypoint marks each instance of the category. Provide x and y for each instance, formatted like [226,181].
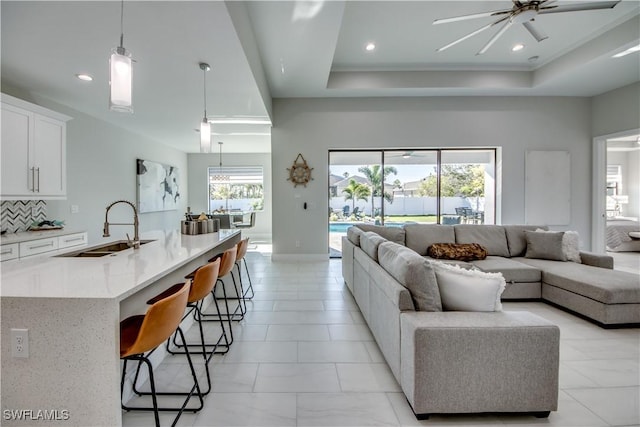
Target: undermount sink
[104,250]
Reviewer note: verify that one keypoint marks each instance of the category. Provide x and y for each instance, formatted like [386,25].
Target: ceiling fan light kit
[523,13]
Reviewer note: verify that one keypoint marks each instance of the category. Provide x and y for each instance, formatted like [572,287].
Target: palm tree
[356,191]
[375,176]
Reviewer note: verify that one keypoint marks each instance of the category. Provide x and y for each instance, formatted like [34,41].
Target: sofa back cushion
[515,237]
[353,234]
[491,237]
[369,242]
[392,234]
[413,272]
[420,236]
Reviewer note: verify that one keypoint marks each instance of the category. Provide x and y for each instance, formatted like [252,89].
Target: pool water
[341,227]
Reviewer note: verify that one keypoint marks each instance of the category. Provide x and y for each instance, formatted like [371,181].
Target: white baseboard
[300,257]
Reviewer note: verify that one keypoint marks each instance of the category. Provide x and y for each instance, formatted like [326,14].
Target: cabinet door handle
[33,179]
[41,246]
[38,190]
[73,240]
[10,251]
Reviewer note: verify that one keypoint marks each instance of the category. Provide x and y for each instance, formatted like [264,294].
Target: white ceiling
[263,50]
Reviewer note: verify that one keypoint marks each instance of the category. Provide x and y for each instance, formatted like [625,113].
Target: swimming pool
[341,227]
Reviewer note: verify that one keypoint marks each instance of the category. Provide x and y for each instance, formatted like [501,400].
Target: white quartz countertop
[113,276]
[25,236]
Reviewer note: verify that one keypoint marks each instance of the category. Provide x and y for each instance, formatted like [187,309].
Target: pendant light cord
[220,144]
[122,24]
[204,94]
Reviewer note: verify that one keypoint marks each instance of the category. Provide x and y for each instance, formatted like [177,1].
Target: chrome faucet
[136,238]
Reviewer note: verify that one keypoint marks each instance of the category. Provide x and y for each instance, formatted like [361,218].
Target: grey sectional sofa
[470,362]
[591,288]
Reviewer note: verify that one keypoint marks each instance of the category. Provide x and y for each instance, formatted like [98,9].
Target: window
[236,188]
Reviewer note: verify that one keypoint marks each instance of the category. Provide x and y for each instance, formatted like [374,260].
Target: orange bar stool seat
[140,335]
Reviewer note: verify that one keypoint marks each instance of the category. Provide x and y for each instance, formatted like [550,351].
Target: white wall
[517,124]
[101,168]
[198,185]
[616,111]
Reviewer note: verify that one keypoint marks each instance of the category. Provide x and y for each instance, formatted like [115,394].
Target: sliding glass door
[396,187]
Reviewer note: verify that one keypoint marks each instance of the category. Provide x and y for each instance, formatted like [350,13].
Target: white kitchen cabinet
[35,247]
[70,240]
[33,151]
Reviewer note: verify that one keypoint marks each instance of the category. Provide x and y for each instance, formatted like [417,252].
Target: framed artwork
[158,186]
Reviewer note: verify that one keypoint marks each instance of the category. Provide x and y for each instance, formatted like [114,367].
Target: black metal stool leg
[249,276]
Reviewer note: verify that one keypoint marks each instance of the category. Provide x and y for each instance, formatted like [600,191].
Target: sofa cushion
[353,234]
[457,251]
[462,264]
[392,234]
[492,237]
[599,284]
[513,271]
[570,244]
[545,245]
[420,236]
[515,237]
[468,290]
[369,242]
[413,272]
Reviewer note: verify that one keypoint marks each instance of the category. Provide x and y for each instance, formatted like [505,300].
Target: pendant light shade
[205,136]
[120,74]
[205,127]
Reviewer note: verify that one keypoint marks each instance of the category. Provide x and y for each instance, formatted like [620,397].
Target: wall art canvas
[158,186]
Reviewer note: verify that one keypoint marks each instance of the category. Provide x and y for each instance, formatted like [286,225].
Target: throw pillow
[468,290]
[457,251]
[413,272]
[545,245]
[570,245]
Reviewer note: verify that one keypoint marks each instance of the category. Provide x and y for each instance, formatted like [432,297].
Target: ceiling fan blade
[479,30]
[473,16]
[578,7]
[495,37]
[536,33]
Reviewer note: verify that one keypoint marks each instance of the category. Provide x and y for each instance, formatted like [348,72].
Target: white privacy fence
[413,205]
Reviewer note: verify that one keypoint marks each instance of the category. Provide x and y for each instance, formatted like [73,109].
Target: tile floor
[303,356]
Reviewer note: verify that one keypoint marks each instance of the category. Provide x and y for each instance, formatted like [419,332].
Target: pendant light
[205,127]
[220,176]
[120,74]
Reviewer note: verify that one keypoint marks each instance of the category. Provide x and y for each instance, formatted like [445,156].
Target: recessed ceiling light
[517,47]
[370,46]
[84,77]
[627,52]
[533,59]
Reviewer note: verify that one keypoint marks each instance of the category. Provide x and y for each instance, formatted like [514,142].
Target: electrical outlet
[297,243]
[75,209]
[20,342]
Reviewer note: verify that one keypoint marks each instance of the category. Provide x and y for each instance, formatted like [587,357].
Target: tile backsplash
[17,215]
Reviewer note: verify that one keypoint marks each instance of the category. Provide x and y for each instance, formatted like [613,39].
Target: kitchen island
[72,307]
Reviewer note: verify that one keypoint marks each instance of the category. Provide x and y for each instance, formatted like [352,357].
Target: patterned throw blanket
[618,231]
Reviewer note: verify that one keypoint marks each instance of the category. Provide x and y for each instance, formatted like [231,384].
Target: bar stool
[203,284]
[139,337]
[227,261]
[242,246]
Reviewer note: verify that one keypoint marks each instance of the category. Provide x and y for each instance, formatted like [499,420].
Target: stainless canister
[188,227]
[210,225]
[202,227]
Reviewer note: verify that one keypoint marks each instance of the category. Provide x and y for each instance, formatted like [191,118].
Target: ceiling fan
[522,12]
